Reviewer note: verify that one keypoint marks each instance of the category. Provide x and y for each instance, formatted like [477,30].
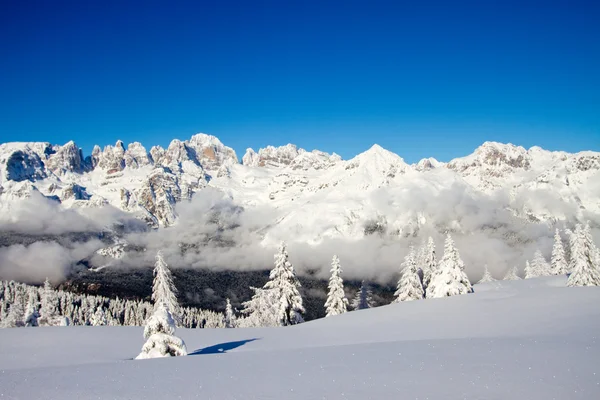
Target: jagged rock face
[177,154]
[276,156]
[289,155]
[250,158]
[157,153]
[74,191]
[159,194]
[493,156]
[20,190]
[65,159]
[112,158]
[427,164]
[136,156]
[585,162]
[19,162]
[211,153]
[94,159]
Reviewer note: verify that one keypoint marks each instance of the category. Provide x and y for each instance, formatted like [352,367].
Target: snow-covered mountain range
[540,184]
[502,200]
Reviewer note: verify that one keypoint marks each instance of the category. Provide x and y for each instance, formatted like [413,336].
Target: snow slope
[530,339]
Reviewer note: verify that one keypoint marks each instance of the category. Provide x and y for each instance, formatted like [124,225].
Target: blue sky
[419,78]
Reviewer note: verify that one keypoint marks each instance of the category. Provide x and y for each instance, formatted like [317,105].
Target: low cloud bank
[214,231]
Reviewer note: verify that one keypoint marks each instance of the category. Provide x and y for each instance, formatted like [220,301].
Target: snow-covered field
[530,339]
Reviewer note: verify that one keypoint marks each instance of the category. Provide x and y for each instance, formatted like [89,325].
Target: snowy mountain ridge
[300,184]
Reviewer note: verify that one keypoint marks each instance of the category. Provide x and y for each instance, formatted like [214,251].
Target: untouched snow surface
[529,339]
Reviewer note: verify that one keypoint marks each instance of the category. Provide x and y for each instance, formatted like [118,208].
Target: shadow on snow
[221,347]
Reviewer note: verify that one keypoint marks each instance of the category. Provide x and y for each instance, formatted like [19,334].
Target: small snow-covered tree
[163,289]
[50,312]
[159,330]
[449,279]
[284,286]
[229,318]
[409,285]
[336,298]
[261,310]
[541,265]
[160,334]
[530,272]
[585,270]
[14,319]
[429,262]
[487,277]
[31,310]
[512,274]
[363,298]
[537,267]
[99,317]
[558,261]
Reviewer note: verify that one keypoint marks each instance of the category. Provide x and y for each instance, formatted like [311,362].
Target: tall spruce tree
[336,297]
[159,330]
[585,270]
[230,318]
[163,288]
[409,285]
[363,298]
[429,265]
[450,278]
[284,284]
[540,264]
[558,261]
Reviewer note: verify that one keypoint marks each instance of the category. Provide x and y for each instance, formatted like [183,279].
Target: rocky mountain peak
[65,159]
[111,158]
[136,156]
[289,155]
[211,153]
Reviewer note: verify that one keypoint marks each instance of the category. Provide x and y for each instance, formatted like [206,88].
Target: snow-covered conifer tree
[336,297]
[31,310]
[50,313]
[558,261]
[585,270]
[537,267]
[261,310]
[530,271]
[363,298]
[512,274]
[99,317]
[163,289]
[449,279]
[15,315]
[429,263]
[160,327]
[230,318]
[284,285]
[540,264]
[409,285]
[160,334]
[487,277]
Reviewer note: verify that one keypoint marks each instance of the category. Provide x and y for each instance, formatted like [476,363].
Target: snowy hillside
[529,339]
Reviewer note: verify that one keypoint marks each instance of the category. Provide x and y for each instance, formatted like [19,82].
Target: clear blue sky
[420,78]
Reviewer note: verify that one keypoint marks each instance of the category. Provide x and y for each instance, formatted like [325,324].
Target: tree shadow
[221,347]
